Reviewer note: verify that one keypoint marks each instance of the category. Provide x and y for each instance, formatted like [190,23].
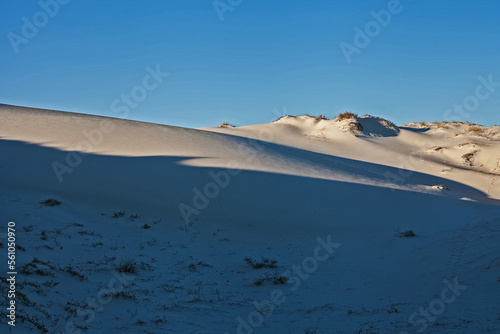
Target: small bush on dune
[120,294]
[442,124]
[320,117]
[263,263]
[118,214]
[50,202]
[406,234]
[275,278]
[354,125]
[279,279]
[346,115]
[225,125]
[477,130]
[469,158]
[127,265]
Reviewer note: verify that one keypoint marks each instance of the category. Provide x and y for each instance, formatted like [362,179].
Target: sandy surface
[197,202]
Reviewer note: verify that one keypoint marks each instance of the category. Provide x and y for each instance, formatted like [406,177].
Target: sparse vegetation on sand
[127,265]
[406,234]
[477,130]
[225,125]
[469,158]
[354,124]
[50,202]
[275,278]
[262,263]
[118,214]
[443,124]
[345,115]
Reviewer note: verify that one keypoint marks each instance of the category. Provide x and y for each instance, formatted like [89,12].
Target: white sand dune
[437,152]
[431,148]
[268,189]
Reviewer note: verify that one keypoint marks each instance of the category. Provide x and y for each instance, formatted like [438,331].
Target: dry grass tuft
[477,130]
[127,265]
[225,125]
[443,124]
[50,202]
[346,115]
[469,158]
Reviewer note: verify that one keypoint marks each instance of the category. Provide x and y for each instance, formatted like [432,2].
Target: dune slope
[188,205]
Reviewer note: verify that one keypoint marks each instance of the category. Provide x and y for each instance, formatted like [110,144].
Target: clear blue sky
[263,55]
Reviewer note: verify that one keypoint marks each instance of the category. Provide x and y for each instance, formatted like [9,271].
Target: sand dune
[465,153]
[452,152]
[268,189]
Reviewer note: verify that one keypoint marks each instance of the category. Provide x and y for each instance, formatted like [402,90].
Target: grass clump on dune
[274,278]
[346,115]
[225,125]
[477,130]
[406,234]
[118,214]
[320,118]
[50,202]
[127,265]
[263,263]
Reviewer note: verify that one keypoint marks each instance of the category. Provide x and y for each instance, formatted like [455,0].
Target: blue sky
[263,56]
